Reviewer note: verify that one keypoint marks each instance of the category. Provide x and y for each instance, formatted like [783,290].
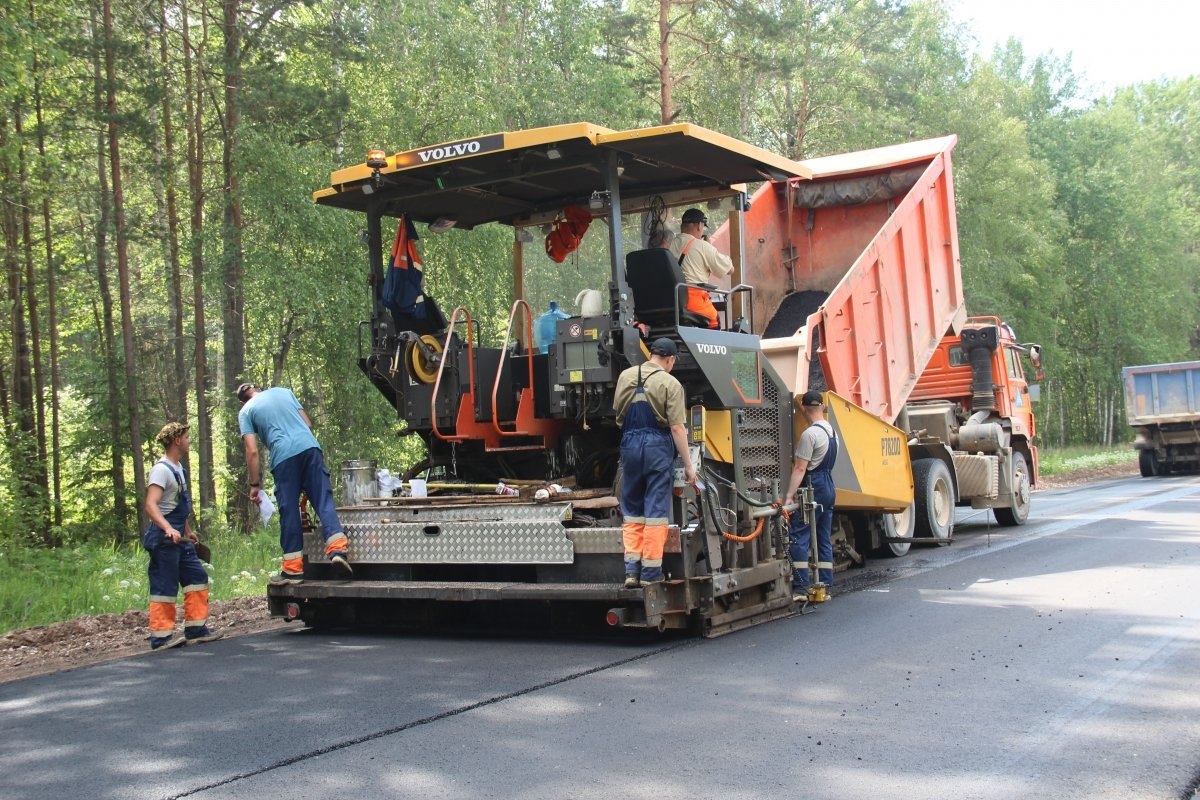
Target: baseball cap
[812,398]
[695,215]
[664,347]
[170,432]
[243,391]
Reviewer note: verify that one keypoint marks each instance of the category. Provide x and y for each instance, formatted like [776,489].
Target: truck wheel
[1148,464]
[933,493]
[1018,510]
[894,526]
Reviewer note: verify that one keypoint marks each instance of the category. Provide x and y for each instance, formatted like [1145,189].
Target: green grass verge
[39,586]
[1069,459]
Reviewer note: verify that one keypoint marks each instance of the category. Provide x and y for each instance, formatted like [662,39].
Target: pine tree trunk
[193,66]
[233,305]
[177,396]
[35,481]
[121,231]
[108,335]
[51,294]
[665,79]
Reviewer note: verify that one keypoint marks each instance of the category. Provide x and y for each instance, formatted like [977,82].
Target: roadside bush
[1055,461]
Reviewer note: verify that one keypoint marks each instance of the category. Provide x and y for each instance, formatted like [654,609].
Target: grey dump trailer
[1162,402]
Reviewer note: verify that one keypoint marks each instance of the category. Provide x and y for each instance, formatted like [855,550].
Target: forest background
[157,159]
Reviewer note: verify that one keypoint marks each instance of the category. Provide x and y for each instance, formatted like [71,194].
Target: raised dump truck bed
[858,266]
[859,286]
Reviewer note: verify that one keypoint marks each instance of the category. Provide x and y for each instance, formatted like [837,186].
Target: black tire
[1148,464]
[1018,510]
[415,470]
[933,494]
[899,525]
[848,543]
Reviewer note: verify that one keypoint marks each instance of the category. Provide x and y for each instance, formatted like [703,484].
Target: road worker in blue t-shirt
[297,464]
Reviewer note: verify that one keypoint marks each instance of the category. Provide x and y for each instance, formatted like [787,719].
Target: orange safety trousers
[644,543]
[293,563]
[195,610]
[700,302]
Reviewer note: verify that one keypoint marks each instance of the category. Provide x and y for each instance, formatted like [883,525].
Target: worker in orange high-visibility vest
[699,260]
[652,412]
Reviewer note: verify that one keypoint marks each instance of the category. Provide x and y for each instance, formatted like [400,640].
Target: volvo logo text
[713,349]
[468,147]
[448,151]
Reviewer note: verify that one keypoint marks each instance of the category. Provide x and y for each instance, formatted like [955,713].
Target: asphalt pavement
[1056,660]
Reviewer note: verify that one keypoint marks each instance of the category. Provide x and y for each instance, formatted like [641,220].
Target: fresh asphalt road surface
[1058,660]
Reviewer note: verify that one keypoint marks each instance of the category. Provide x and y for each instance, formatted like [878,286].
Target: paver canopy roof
[507,177]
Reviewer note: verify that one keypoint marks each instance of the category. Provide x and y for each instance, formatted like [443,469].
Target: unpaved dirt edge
[82,641]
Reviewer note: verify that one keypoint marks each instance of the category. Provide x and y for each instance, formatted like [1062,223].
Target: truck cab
[974,396]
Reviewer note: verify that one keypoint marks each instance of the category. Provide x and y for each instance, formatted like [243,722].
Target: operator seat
[654,277]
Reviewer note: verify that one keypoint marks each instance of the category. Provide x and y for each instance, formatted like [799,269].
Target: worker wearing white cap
[171,542]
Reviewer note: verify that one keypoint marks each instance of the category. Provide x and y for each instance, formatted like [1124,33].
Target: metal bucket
[358,482]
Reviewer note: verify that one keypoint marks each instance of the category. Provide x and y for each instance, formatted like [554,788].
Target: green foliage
[39,586]
[1056,461]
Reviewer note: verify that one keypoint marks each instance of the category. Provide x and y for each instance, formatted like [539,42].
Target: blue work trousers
[305,472]
[800,534]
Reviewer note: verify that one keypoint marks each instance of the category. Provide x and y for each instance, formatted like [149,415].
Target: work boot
[201,635]
[339,561]
[287,578]
[651,575]
[633,570]
[799,594]
[165,642]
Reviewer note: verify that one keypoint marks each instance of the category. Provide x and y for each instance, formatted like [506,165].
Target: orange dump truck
[856,271]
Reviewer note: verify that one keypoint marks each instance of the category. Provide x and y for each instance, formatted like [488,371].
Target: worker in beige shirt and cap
[652,413]
[699,261]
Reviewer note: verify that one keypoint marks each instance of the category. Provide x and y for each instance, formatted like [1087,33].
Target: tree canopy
[161,246]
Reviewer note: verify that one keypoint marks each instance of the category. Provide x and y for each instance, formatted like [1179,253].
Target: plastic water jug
[546,329]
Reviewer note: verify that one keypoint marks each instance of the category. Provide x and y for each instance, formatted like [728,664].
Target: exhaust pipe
[981,344]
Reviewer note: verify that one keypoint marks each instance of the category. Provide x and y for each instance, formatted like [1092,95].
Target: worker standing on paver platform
[815,455]
[652,411]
